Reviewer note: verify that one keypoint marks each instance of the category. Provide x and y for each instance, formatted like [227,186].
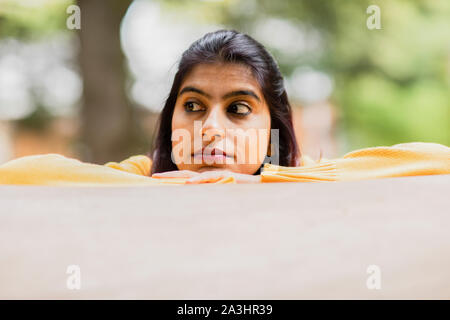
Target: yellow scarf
[408,159]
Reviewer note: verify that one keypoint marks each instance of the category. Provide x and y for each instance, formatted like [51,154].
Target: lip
[208,154]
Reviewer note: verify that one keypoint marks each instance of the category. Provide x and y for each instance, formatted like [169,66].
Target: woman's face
[220,120]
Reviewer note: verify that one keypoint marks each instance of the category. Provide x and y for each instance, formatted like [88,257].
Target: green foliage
[393,83]
[37,19]
[29,21]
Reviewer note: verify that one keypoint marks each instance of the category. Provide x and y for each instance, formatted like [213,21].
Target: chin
[211,168]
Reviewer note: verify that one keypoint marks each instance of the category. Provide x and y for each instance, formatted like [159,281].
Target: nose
[213,128]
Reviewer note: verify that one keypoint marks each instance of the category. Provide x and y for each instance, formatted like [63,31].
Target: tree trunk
[108,130]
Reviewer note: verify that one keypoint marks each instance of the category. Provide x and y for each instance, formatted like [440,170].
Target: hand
[176,174]
[194,177]
[216,175]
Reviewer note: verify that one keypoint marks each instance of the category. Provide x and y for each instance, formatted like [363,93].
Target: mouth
[214,155]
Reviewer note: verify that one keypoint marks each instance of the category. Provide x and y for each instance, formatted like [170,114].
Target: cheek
[251,144]
[181,122]
[182,136]
[177,119]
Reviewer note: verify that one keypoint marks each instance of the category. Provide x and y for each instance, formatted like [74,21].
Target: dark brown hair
[233,47]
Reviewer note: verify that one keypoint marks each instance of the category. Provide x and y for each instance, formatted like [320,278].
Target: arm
[401,160]
[55,169]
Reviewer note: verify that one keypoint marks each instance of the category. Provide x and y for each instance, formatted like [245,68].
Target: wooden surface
[265,241]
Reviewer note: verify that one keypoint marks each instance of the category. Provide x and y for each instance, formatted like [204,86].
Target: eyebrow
[193,89]
[226,96]
[241,93]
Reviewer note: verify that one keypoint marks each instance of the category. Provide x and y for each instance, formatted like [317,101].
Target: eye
[192,106]
[239,109]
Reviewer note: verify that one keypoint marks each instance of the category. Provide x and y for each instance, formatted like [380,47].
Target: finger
[209,177]
[175,174]
[247,178]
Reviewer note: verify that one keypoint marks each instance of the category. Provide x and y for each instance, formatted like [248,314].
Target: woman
[228,119]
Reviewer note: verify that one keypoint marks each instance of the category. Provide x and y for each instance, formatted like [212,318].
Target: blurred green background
[95,93]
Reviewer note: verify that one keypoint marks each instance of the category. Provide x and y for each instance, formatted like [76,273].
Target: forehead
[218,78]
